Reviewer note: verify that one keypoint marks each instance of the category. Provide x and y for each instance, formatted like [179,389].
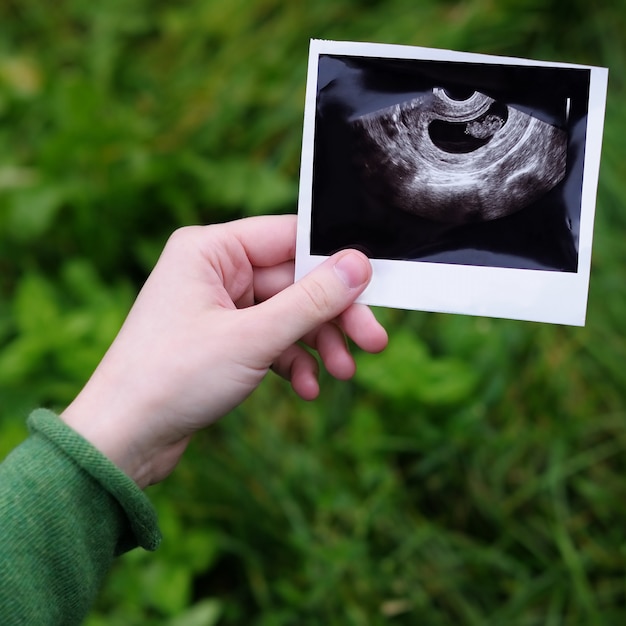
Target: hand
[216,313]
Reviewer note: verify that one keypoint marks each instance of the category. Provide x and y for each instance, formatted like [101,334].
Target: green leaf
[36,308]
[167,586]
[205,613]
[407,372]
[20,359]
[238,183]
[33,210]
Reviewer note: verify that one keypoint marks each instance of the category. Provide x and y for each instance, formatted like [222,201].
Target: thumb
[318,297]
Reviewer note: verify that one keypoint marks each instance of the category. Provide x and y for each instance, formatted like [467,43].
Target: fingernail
[353,270]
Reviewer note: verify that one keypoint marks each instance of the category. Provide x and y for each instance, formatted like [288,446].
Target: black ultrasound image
[461,163]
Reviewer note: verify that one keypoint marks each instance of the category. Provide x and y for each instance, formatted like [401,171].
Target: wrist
[96,425]
[117,427]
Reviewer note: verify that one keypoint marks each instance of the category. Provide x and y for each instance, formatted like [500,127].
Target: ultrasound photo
[436,157]
[449,162]
[457,161]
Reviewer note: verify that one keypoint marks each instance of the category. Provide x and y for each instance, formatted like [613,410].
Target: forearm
[65,512]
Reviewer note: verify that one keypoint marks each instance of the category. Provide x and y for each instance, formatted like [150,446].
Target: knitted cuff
[139,510]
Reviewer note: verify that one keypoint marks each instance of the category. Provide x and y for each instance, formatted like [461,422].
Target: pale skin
[218,311]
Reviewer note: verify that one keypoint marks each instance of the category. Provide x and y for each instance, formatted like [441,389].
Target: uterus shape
[457,160]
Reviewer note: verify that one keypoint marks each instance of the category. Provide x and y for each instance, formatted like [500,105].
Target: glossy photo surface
[449,162]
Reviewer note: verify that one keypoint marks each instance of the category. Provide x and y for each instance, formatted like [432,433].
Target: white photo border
[522,294]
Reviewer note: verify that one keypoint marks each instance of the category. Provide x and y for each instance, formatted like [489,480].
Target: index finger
[268,281]
[267,240]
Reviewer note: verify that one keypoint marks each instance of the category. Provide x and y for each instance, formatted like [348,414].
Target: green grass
[474,474]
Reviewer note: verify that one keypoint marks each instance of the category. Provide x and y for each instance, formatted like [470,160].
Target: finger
[319,297]
[360,324]
[300,368]
[267,240]
[330,343]
[268,281]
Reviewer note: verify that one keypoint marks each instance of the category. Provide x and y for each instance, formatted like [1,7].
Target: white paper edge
[532,295]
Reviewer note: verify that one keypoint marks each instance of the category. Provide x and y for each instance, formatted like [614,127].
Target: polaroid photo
[469,180]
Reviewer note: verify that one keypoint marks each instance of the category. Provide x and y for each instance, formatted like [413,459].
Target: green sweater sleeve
[65,512]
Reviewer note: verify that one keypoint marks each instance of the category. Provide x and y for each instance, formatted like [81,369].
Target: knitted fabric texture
[65,512]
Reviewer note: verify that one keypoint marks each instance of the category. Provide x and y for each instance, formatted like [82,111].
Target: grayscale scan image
[449,162]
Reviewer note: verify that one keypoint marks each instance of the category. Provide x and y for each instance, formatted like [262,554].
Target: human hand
[219,310]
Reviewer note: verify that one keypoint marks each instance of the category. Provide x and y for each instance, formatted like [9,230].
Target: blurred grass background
[474,474]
